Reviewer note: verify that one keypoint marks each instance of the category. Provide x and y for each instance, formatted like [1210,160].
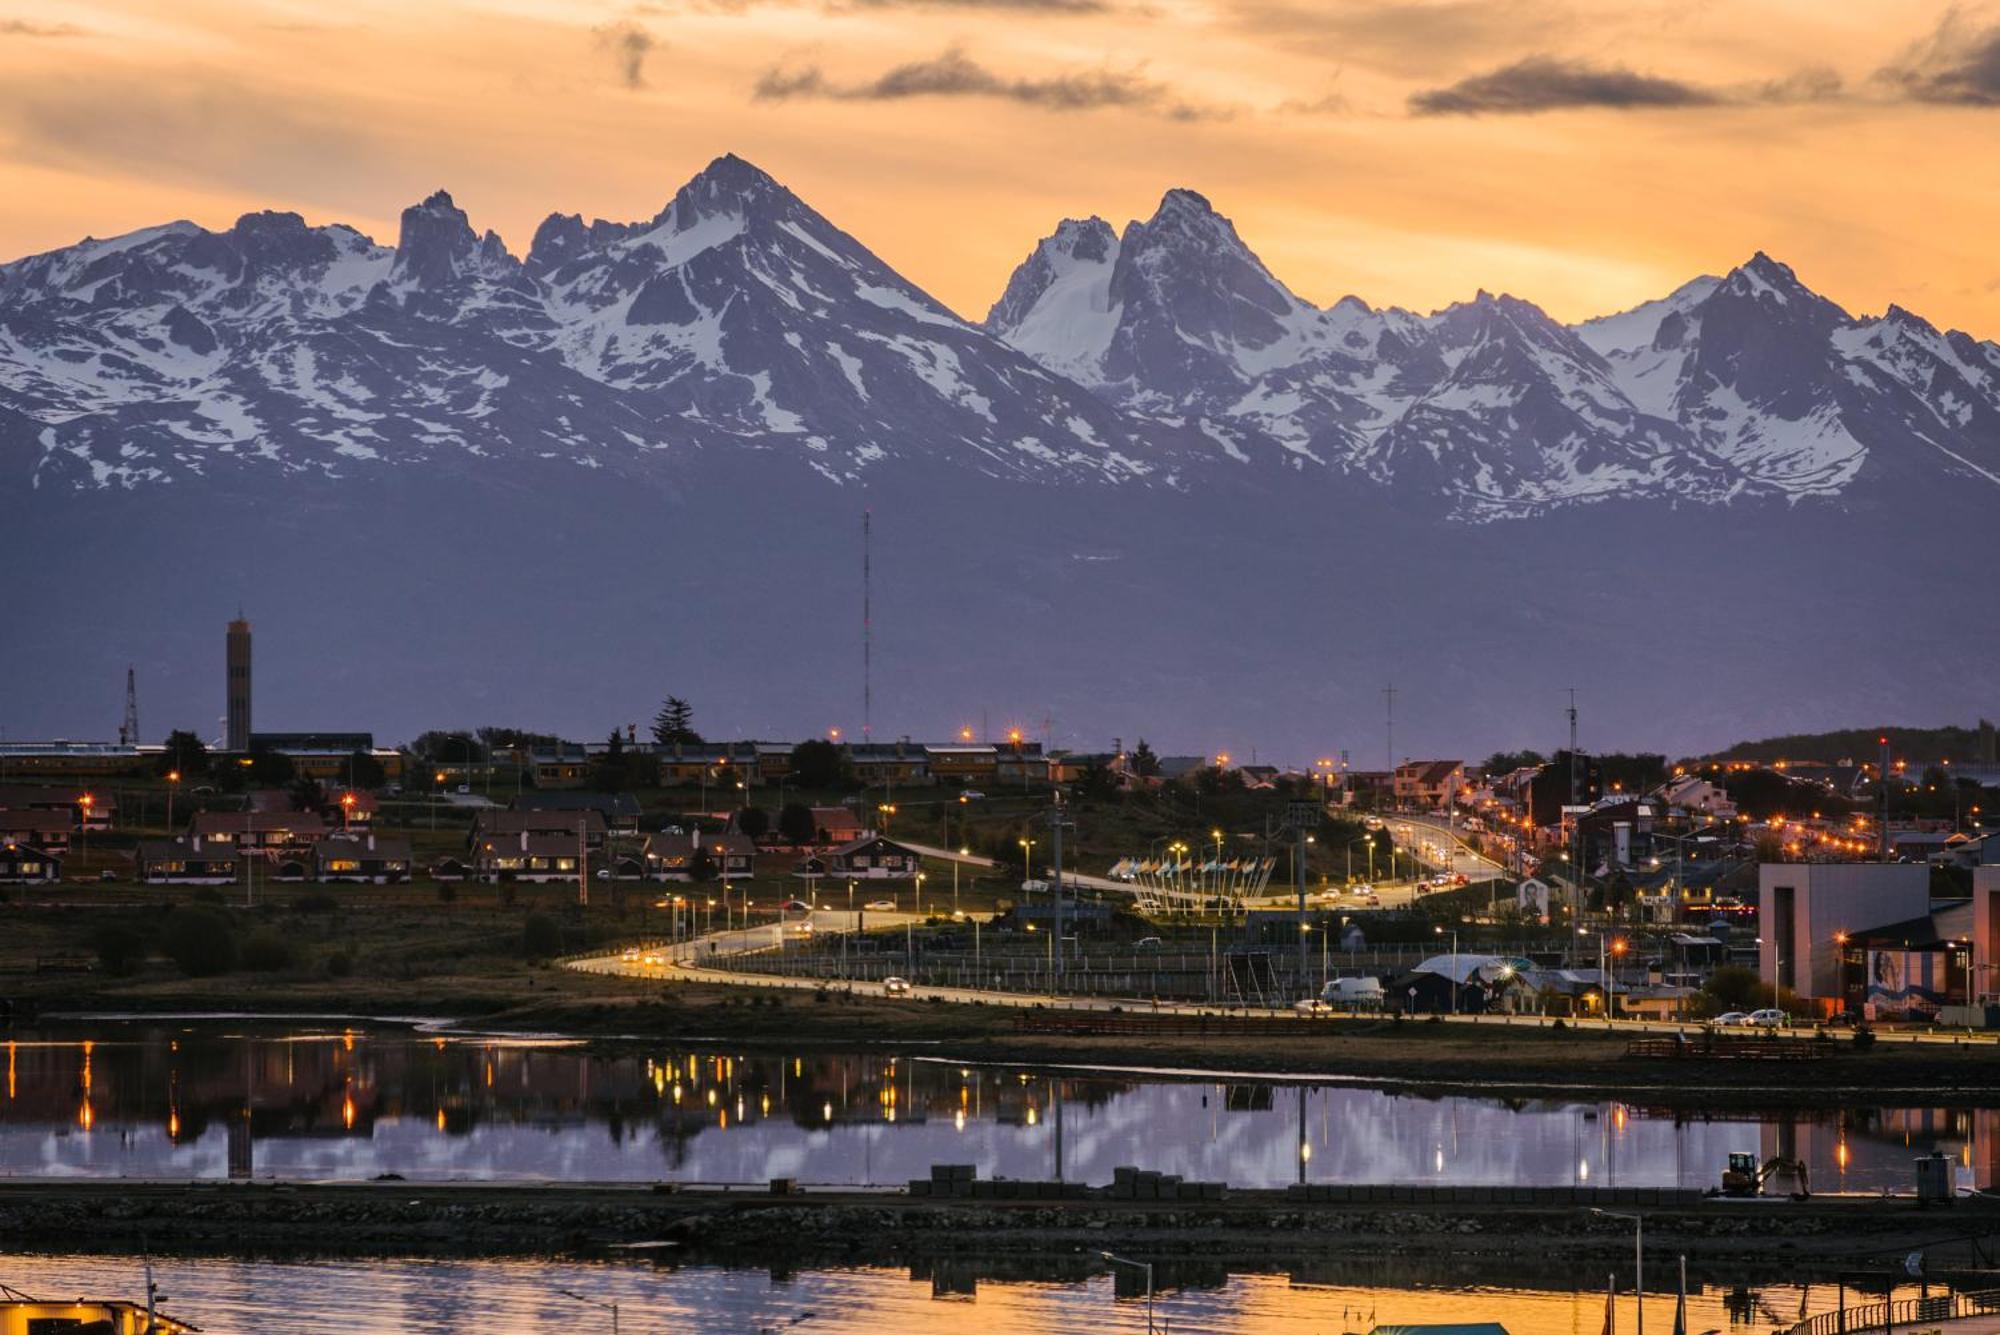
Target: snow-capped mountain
[1744,385]
[737,319]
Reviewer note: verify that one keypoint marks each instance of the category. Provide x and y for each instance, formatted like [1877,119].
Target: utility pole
[1056,823]
[1884,740]
[1575,800]
[1389,745]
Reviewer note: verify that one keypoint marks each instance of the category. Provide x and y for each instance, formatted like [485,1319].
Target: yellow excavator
[1744,1176]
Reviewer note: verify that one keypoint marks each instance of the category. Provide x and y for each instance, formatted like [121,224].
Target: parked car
[896,987]
[880,906]
[1769,1018]
[973,795]
[1312,1006]
[1733,1019]
[1148,943]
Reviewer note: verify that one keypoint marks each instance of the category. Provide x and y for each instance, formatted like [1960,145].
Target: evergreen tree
[675,723]
[1145,764]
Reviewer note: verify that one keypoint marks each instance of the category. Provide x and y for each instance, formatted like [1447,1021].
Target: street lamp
[595,1302]
[1147,1267]
[1638,1223]
[1454,966]
[173,783]
[346,809]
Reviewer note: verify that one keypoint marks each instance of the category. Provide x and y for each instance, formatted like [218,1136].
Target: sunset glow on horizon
[1587,156]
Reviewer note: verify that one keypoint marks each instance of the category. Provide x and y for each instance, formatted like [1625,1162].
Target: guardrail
[1890,1314]
[1709,1047]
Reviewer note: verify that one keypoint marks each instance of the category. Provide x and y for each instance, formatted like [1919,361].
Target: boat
[21,1314]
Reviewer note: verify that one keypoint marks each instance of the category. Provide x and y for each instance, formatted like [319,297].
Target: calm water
[381,1297]
[154,1100]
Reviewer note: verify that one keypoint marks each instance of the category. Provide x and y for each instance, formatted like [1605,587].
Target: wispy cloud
[1549,83]
[955,74]
[628,45]
[25,28]
[1957,65]
[1403,37]
[1546,83]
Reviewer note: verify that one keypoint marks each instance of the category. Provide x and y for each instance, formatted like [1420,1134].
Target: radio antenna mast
[867,626]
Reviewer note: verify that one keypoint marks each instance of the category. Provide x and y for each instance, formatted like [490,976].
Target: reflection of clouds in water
[559,1114]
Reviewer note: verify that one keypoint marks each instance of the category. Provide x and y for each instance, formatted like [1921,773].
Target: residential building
[563,765]
[267,832]
[873,858]
[965,764]
[1431,784]
[834,826]
[620,811]
[677,857]
[76,760]
[881,764]
[525,857]
[187,861]
[329,756]
[1565,781]
[48,831]
[24,864]
[586,825]
[89,809]
[361,860]
[1695,795]
[350,808]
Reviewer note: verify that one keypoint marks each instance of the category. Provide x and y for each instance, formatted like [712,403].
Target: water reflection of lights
[1437,1160]
[1033,1117]
[1583,1169]
[440,1119]
[958,1120]
[1618,1116]
[826,1112]
[1840,1155]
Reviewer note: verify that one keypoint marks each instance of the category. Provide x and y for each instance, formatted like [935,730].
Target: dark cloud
[1404,37]
[954,74]
[628,45]
[24,28]
[1957,65]
[1331,104]
[1545,83]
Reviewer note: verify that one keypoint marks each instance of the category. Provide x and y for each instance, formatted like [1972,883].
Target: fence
[1893,1313]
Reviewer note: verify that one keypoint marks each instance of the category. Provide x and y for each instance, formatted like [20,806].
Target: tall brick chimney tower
[239,685]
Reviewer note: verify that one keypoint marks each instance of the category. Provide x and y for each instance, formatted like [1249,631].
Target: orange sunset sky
[1587,155]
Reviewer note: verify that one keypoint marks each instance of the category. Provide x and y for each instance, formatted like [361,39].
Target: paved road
[1434,843]
[689,962]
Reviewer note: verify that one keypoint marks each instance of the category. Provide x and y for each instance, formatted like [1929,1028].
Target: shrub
[318,902]
[447,893]
[200,940]
[339,964]
[541,938]
[1864,1037]
[206,894]
[121,948]
[266,950]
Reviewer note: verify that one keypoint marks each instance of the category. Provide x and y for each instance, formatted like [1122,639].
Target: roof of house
[9,846]
[685,845]
[260,822]
[38,822]
[606,804]
[152,850]
[24,797]
[535,822]
[534,846]
[868,841]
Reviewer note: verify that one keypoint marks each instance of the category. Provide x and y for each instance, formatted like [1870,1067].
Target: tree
[1145,764]
[819,764]
[271,769]
[306,794]
[1097,781]
[753,822]
[795,823]
[121,947]
[185,753]
[365,771]
[456,747]
[1506,762]
[674,724]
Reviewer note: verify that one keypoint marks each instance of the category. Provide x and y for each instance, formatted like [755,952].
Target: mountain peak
[437,245]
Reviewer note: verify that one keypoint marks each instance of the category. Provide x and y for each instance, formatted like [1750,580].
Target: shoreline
[1411,1058]
[1259,1230]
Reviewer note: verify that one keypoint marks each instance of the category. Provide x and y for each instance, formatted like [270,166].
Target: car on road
[896,987]
[797,906]
[1461,879]
[1312,1006]
[1768,1018]
[1362,889]
[880,906]
[1148,943]
[973,795]
[1733,1019]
